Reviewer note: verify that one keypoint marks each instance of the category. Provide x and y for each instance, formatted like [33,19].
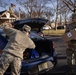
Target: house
[7,16]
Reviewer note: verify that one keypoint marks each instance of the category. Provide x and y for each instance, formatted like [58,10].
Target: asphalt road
[61,67]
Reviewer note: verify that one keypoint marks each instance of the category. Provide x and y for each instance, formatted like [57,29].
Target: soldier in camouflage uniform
[13,52]
[71,46]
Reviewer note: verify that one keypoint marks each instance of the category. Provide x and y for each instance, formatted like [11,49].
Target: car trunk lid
[35,23]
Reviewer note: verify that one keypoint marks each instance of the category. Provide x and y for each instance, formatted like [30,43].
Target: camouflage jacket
[18,42]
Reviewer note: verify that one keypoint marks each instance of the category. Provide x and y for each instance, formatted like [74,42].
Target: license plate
[43,66]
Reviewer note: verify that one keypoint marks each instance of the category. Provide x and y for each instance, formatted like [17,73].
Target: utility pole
[19,13]
[56,21]
[74,6]
[31,1]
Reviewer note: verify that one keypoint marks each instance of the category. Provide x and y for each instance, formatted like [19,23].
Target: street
[61,67]
[34,18]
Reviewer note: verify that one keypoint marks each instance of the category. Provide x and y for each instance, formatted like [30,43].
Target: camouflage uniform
[71,50]
[13,52]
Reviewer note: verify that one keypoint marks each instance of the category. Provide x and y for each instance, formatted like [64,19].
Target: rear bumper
[32,66]
[41,68]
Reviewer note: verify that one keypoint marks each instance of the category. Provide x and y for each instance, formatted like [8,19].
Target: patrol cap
[73,15]
[26,28]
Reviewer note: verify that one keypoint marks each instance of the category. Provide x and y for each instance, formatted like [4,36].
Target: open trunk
[45,55]
[43,47]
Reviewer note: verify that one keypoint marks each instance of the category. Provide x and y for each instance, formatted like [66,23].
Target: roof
[2,12]
[3,15]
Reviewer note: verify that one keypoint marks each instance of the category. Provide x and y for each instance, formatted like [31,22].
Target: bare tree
[61,12]
[36,8]
[64,11]
[3,4]
[71,4]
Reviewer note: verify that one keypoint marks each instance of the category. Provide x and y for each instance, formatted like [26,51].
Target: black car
[44,56]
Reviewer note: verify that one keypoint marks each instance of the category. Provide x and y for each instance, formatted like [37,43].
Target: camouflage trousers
[7,60]
[70,52]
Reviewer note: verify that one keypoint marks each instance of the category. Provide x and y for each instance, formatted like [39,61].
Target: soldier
[71,46]
[13,52]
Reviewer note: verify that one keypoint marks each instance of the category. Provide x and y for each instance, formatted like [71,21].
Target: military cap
[26,28]
[73,15]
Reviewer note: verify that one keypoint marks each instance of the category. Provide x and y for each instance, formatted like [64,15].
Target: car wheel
[55,61]
[35,74]
[33,71]
[32,74]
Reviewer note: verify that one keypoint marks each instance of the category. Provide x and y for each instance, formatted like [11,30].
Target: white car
[46,27]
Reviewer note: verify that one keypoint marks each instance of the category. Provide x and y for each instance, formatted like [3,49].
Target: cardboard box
[69,36]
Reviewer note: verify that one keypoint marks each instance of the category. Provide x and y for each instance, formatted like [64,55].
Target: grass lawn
[59,32]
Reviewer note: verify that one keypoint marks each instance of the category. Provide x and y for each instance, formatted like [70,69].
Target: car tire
[35,74]
[56,61]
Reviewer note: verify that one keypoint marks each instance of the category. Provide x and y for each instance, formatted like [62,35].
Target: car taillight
[53,45]
[1,51]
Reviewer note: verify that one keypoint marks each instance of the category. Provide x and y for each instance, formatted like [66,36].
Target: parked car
[46,27]
[61,27]
[46,58]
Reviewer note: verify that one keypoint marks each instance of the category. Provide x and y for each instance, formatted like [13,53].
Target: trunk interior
[43,47]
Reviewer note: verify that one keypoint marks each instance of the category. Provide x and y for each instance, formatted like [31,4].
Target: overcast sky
[7,7]
[17,5]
